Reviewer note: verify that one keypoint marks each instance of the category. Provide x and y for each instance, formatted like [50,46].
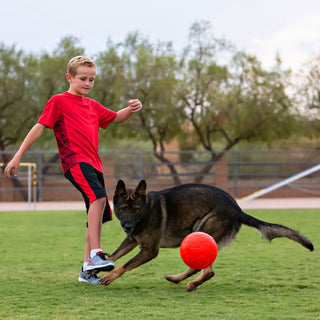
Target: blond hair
[78,61]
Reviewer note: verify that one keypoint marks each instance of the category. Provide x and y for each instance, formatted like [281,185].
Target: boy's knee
[102,200]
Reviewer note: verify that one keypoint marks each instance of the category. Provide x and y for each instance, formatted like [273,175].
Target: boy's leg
[90,183]
[93,235]
[97,261]
[87,250]
[95,213]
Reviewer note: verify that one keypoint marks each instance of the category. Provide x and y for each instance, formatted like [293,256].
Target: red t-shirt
[75,121]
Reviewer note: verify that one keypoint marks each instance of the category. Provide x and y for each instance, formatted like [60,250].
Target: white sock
[85,264]
[93,252]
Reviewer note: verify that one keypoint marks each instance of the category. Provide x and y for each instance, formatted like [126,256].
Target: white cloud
[295,43]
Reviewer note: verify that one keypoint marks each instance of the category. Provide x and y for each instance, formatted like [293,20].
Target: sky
[261,27]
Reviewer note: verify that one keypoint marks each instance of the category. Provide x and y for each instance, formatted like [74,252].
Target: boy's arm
[34,134]
[133,106]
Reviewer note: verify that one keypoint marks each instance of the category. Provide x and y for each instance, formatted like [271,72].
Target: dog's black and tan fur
[162,219]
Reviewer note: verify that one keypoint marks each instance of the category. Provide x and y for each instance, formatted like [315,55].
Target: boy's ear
[68,77]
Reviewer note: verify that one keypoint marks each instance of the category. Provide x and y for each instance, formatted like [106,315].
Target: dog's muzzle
[128,227]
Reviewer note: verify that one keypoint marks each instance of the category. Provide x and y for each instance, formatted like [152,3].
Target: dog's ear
[120,188]
[141,189]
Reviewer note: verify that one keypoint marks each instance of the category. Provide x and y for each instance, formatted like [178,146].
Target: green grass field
[41,257]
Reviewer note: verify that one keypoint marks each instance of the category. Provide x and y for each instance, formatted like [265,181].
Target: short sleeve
[50,113]
[106,116]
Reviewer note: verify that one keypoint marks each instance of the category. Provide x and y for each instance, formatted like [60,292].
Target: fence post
[39,185]
[235,173]
[29,187]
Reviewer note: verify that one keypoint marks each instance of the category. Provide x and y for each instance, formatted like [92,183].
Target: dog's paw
[106,279]
[173,279]
[191,287]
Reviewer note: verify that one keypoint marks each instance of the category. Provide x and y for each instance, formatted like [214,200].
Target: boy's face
[82,83]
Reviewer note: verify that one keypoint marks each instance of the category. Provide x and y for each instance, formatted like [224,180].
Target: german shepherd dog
[162,219]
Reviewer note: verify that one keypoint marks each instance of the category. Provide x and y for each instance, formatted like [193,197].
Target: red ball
[198,250]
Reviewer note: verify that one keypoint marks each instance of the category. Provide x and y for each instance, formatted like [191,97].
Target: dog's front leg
[142,257]
[126,246]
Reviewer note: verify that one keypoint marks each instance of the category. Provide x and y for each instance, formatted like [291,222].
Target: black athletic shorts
[90,183]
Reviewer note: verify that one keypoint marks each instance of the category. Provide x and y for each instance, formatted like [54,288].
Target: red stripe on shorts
[82,182]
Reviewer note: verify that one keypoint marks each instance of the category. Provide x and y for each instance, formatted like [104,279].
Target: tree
[230,103]
[15,111]
[136,68]
[52,69]
[26,84]
[15,98]
[311,88]
[110,76]
[212,97]
[307,96]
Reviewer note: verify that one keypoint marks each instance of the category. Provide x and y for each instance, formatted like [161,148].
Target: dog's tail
[271,230]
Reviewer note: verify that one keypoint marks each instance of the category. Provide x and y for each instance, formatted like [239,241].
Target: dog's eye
[123,208]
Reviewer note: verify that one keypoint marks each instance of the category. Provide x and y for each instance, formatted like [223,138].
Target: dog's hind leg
[184,275]
[204,276]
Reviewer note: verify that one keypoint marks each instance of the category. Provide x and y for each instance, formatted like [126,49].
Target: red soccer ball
[198,250]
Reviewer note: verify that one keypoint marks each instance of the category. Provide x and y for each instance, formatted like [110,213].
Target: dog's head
[129,204]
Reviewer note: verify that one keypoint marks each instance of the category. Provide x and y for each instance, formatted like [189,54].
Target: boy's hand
[135,105]
[13,164]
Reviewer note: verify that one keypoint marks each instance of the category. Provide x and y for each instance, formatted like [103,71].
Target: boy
[75,120]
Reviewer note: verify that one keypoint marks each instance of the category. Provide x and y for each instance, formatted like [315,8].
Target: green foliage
[307,95]
[52,69]
[26,84]
[41,257]
[236,102]
[210,97]
[15,99]
[311,87]
[148,73]
[259,107]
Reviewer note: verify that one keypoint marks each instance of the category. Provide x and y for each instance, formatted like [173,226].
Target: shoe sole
[100,268]
[80,279]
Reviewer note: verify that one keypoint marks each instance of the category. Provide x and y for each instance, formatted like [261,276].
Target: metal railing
[238,172]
